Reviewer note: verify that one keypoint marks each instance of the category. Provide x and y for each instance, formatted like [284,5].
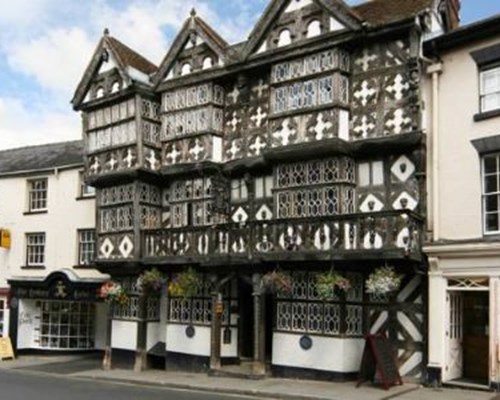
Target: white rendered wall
[124,335]
[327,353]
[26,320]
[199,345]
[64,217]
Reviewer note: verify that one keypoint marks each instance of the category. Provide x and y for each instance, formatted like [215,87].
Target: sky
[45,46]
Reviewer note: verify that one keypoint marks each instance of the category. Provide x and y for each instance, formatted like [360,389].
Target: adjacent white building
[464,206]
[50,215]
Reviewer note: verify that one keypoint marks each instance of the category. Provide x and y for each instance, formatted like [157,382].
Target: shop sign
[5,240]
[6,351]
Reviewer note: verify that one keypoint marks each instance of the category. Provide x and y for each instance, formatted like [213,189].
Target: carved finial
[193,12]
[106,32]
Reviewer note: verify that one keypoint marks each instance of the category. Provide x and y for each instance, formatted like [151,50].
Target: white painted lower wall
[124,335]
[326,354]
[199,345]
[25,325]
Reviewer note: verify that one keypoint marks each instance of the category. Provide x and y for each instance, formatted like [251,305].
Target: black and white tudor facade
[301,149]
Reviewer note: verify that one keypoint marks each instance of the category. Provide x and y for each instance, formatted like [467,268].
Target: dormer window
[208,63]
[186,69]
[99,92]
[313,29]
[285,38]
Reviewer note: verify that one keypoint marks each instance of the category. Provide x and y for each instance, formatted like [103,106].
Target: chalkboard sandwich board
[378,361]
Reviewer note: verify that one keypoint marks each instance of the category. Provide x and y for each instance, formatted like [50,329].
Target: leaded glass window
[305,312]
[315,188]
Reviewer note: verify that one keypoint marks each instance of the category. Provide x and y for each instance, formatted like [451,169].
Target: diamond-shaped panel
[126,247]
[403,168]
[107,248]
[405,202]
[371,204]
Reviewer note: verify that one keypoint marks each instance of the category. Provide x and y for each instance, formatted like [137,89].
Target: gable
[285,22]
[197,47]
[112,68]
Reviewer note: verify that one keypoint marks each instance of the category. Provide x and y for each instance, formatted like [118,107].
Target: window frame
[83,187]
[484,194]
[35,247]
[82,247]
[483,70]
[36,201]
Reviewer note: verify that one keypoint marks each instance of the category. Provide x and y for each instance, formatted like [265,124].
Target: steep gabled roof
[337,8]
[43,157]
[124,57]
[384,12]
[193,24]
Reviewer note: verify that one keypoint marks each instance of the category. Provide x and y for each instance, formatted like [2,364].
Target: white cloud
[56,60]
[21,125]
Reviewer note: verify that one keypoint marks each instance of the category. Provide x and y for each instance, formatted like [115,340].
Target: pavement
[87,367]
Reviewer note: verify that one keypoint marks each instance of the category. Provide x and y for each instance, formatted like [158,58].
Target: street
[22,385]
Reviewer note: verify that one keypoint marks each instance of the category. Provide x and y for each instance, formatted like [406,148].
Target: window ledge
[487,115]
[32,266]
[84,266]
[35,212]
[90,197]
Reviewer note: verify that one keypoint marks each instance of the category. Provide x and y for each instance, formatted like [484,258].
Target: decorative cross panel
[129,158]
[234,122]
[152,159]
[364,126]
[180,244]
[321,129]
[285,134]
[257,144]
[258,117]
[95,165]
[234,150]
[397,87]
[112,162]
[197,152]
[234,94]
[396,121]
[396,53]
[260,89]
[367,60]
[366,92]
[173,155]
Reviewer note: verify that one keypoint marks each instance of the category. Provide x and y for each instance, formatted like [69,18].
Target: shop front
[60,312]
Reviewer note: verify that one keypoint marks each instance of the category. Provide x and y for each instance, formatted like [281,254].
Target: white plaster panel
[154,334]
[326,354]
[124,335]
[199,345]
[217,149]
[344,125]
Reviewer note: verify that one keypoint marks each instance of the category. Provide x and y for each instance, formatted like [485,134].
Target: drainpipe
[435,70]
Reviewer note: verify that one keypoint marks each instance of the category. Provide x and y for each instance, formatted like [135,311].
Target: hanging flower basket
[113,293]
[277,282]
[185,284]
[382,281]
[328,283]
[151,282]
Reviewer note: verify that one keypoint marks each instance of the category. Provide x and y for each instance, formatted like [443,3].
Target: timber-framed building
[301,149]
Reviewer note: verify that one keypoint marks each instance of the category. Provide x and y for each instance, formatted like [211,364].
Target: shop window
[66,325]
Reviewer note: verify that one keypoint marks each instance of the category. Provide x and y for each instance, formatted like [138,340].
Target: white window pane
[244,191]
[378,173]
[364,174]
[259,188]
[269,186]
[235,192]
[490,81]
[490,102]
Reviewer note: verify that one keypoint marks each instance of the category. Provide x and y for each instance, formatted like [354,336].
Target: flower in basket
[151,282]
[113,292]
[185,284]
[277,282]
[383,280]
[327,282]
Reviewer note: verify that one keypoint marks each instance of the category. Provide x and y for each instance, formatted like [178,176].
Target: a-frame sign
[378,362]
